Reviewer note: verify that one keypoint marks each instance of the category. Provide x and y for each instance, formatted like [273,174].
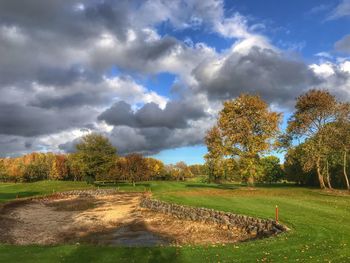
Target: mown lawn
[319,222]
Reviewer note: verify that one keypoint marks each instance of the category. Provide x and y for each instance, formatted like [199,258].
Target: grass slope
[319,222]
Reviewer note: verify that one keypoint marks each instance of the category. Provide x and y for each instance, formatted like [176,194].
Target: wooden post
[276,212]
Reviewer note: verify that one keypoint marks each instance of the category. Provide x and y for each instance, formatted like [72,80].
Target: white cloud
[341,10]
[335,76]
[323,70]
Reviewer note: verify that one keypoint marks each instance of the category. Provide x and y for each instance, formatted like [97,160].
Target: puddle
[133,235]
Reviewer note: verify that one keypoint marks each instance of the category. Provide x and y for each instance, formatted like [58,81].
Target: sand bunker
[114,219]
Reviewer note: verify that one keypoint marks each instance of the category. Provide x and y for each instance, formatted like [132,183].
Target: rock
[227,221]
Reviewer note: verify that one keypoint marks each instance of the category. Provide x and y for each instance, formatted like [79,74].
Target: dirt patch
[114,219]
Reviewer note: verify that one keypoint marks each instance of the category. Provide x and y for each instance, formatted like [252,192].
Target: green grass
[319,222]
[9,191]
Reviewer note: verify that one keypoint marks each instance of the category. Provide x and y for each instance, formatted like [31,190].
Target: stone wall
[253,226]
[90,192]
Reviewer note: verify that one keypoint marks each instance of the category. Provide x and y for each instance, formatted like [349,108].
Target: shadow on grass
[11,196]
[215,186]
[122,254]
[273,185]
[234,186]
[120,184]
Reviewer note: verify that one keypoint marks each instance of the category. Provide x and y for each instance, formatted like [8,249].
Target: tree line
[95,159]
[316,141]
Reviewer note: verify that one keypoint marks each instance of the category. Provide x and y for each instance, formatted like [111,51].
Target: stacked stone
[253,226]
[93,192]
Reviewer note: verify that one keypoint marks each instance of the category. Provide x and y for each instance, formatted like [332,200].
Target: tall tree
[344,137]
[248,128]
[59,167]
[215,156]
[313,111]
[337,138]
[96,155]
[135,167]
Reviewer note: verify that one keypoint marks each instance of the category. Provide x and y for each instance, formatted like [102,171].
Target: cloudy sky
[151,75]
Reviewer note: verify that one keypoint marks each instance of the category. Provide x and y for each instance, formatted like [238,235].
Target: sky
[152,75]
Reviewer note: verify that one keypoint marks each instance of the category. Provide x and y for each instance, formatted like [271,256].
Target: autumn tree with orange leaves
[246,128]
[314,110]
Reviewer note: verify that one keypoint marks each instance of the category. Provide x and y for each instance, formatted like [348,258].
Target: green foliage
[96,155]
[271,169]
[197,169]
[4,177]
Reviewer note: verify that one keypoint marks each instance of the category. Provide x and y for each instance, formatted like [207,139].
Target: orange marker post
[276,214]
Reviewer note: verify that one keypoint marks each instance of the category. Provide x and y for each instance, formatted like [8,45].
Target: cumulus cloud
[176,114]
[150,140]
[262,71]
[31,121]
[335,77]
[101,93]
[12,145]
[72,67]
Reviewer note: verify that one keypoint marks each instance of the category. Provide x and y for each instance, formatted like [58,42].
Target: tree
[197,169]
[343,136]
[59,168]
[96,155]
[155,168]
[271,169]
[215,156]
[75,167]
[314,110]
[183,171]
[246,128]
[3,171]
[135,167]
[337,139]
[294,166]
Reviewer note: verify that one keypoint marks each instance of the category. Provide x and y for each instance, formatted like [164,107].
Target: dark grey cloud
[49,41]
[113,14]
[262,71]
[146,140]
[175,115]
[77,99]
[343,45]
[32,121]
[66,76]
[140,56]
[153,140]
[11,145]
[56,56]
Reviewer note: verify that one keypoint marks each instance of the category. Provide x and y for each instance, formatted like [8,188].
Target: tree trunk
[327,174]
[251,175]
[344,172]
[319,174]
